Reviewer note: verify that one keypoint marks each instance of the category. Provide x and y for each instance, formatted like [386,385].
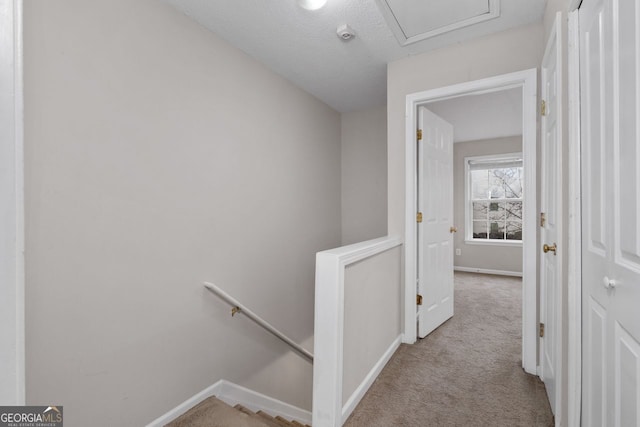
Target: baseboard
[233,394]
[213,390]
[359,393]
[488,271]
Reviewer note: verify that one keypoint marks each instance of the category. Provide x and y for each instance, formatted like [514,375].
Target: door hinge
[419,135]
[543,108]
[419,217]
[419,299]
[543,219]
[541,330]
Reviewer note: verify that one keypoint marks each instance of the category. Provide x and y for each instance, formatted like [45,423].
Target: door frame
[527,80]
[12,321]
[574,226]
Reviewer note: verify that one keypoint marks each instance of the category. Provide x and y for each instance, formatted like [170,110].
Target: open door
[551,215]
[435,221]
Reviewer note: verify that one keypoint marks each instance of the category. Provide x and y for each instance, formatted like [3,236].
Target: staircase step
[284,423]
[247,411]
[213,412]
[277,421]
[265,418]
[269,418]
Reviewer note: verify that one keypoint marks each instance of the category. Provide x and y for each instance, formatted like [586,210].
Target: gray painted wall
[491,257]
[372,300]
[364,175]
[159,157]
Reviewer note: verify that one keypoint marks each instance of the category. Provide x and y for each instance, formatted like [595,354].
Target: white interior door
[610,145]
[435,202]
[551,215]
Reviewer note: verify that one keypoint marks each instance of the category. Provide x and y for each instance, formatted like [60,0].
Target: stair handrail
[238,307]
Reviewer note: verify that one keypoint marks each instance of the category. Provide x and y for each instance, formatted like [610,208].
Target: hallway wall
[364,175]
[156,159]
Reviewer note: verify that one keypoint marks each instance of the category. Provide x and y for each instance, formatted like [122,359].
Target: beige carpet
[466,373]
[212,412]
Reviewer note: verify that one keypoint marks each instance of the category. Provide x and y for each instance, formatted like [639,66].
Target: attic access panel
[415,20]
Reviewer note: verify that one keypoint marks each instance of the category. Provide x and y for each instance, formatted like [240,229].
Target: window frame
[468,203]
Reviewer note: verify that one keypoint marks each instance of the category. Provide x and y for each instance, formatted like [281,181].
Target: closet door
[610,113]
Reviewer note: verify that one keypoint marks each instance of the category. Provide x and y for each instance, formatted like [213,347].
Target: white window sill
[493,242]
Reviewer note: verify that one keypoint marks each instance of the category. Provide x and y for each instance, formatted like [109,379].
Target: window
[494,199]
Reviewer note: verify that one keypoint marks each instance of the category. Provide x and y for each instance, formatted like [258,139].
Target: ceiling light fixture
[311,4]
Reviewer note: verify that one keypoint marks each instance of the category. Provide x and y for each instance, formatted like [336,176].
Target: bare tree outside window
[496,203]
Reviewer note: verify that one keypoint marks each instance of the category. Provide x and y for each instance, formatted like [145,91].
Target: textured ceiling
[303,47]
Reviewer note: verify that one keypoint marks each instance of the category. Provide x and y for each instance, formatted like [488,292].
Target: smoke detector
[345,32]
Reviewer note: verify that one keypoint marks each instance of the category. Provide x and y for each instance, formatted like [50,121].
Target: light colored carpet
[468,372]
[212,412]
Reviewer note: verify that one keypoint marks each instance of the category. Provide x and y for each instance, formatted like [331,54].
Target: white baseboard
[488,271]
[233,394]
[213,390]
[360,391]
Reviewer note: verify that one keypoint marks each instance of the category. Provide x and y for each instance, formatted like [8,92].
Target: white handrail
[239,308]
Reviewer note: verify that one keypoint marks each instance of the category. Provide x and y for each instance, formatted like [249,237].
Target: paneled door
[610,146]
[551,215]
[435,221]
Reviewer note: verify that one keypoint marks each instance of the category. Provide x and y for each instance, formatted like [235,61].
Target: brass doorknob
[546,248]
[453,230]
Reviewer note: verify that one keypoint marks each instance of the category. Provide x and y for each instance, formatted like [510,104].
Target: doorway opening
[526,83]
[488,176]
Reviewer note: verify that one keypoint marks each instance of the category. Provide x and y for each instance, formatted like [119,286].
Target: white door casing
[435,202]
[527,81]
[12,346]
[574,226]
[551,216]
[610,144]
